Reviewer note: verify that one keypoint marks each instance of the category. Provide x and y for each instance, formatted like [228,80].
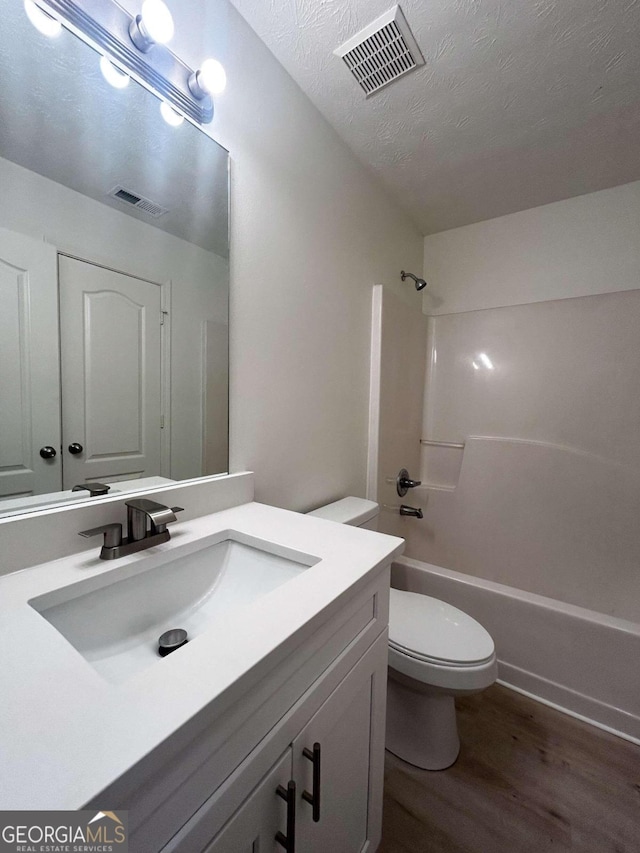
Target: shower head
[420,282]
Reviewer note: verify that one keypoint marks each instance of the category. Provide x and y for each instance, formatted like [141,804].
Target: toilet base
[421,725]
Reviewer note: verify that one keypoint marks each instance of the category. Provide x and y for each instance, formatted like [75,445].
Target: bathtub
[581,662]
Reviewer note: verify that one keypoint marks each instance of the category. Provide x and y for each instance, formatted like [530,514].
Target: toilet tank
[355,511]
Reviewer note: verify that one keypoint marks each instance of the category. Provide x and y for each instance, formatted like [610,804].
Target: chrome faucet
[146,526]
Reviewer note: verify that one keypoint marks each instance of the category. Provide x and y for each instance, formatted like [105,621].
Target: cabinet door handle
[288,794]
[314,797]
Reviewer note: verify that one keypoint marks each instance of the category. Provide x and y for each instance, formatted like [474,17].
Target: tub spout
[414,511]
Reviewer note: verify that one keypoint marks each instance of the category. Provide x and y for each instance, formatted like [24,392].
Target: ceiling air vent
[143,204]
[381,52]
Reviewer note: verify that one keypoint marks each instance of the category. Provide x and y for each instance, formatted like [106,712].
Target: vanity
[264,732]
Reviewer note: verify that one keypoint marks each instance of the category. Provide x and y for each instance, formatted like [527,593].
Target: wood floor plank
[529,779]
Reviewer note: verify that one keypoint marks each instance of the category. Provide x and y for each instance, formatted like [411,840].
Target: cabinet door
[349,729]
[254,826]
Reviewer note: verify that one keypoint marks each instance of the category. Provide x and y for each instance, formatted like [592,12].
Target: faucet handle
[161,526]
[404,482]
[141,509]
[112,534]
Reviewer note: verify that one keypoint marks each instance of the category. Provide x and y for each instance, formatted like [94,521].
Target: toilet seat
[434,632]
[436,661]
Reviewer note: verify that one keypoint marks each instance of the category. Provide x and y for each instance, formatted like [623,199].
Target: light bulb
[118,79]
[170,115]
[212,76]
[157,21]
[41,20]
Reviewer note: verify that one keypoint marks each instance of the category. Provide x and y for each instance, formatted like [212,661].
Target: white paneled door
[30,461]
[110,332]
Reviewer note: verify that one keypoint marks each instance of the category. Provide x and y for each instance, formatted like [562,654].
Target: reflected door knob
[75,448]
[47,452]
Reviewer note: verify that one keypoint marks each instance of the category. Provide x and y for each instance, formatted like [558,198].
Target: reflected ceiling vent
[141,203]
[382,52]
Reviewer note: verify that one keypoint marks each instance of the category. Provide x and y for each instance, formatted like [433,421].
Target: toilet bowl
[436,652]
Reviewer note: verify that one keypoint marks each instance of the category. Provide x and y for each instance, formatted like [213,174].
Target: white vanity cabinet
[348,731]
[342,710]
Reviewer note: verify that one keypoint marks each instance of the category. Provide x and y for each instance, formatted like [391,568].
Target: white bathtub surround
[97,730]
[544,518]
[576,660]
[544,494]
[534,513]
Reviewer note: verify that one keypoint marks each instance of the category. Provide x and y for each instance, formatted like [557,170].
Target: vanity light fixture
[154,25]
[44,23]
[170,115]
[116,78]
[137,44]
[210,79]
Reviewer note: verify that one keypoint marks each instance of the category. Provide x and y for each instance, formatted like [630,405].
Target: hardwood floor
[528,780]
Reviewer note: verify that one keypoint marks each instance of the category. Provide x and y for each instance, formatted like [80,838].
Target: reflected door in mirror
[110,331]
[29,367]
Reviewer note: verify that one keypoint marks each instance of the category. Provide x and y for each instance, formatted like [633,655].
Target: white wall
[310,235]
[577,247]
[73,223]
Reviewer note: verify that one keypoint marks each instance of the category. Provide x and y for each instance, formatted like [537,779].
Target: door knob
[47,452]
[75,448]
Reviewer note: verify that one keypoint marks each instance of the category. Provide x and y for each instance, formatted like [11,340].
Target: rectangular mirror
[114,280]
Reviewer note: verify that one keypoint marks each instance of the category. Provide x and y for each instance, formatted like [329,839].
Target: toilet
[436,652]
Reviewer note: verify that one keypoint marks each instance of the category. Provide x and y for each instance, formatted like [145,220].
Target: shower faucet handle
[404,482]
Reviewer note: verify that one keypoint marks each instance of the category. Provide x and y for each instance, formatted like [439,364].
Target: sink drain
[171,640]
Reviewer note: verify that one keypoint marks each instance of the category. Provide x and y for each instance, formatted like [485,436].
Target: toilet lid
[432,630]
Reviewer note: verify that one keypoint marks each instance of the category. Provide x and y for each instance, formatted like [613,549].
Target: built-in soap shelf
[440,464]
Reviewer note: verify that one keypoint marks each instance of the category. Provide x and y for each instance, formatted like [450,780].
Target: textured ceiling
[60,118]
[519,103]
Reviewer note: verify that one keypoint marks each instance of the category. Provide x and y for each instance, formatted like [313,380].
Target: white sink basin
[116,627]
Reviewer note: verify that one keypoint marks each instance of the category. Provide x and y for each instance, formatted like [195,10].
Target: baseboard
[585,708]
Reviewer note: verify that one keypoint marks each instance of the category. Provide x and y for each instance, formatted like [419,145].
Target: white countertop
[66,733]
